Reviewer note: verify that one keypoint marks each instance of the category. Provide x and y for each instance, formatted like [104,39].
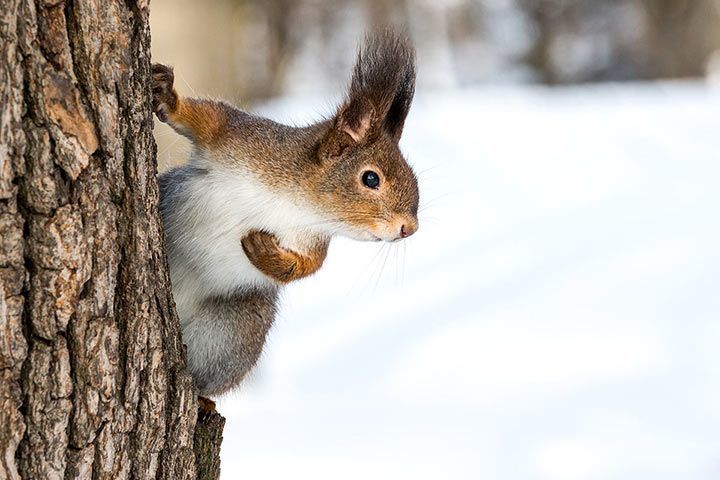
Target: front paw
[259,245]
[165,98]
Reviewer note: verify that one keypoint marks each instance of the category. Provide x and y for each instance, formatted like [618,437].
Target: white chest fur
[217,209]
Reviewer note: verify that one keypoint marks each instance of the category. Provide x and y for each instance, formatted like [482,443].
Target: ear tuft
[404,93]
[381,88]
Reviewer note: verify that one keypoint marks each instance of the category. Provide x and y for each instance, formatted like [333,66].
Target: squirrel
[257,203]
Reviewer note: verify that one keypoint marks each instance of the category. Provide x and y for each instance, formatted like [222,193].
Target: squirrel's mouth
[398,229]
[363,235]
[378,233]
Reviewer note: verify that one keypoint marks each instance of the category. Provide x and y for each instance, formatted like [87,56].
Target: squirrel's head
[364,180]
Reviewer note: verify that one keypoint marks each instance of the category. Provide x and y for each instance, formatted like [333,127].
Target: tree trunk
[681,35]
[92,370]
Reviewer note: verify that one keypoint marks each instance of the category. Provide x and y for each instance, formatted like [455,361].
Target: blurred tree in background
[247,51]
[255,49]
[250,50]
[584,40]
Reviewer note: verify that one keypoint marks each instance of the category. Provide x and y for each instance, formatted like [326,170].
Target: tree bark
[92,370]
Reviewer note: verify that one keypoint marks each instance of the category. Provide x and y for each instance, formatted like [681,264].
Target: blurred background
[251,50]
[557,316]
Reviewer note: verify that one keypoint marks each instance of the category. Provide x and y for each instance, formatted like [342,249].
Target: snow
[557,316]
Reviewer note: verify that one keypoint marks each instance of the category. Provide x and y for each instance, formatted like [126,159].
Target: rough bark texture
[92,378]
[208,437]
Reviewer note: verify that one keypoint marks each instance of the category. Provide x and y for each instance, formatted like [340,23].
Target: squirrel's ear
[396,115]
[381,89]
[350,127]
[356,118]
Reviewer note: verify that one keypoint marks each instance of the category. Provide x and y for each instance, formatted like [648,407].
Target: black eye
[371,179]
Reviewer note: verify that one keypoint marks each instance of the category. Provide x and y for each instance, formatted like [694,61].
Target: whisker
[188,84]
[429,219]
[427,203]
[425,170]
[382,269]
[367,266]
[167,148]
[374,263]
[396,250]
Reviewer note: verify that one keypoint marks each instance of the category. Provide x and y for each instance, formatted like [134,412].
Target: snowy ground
[557,316]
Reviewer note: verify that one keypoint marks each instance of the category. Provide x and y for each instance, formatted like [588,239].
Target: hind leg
[225,338]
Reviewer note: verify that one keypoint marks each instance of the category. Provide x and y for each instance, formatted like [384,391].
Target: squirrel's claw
[164,97]
[206,408]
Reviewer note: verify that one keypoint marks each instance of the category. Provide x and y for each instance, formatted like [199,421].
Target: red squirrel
[257,203]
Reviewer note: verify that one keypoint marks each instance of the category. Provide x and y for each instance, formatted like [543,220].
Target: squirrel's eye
[371,179]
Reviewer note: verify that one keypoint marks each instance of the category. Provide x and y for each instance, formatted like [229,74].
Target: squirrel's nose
[408,228]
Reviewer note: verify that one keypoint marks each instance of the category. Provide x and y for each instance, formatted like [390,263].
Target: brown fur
[206,406]
[202,121]
[321,164]
[280,263]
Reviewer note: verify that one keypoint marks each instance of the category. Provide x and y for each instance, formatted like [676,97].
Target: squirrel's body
[257,203]
[208,205]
